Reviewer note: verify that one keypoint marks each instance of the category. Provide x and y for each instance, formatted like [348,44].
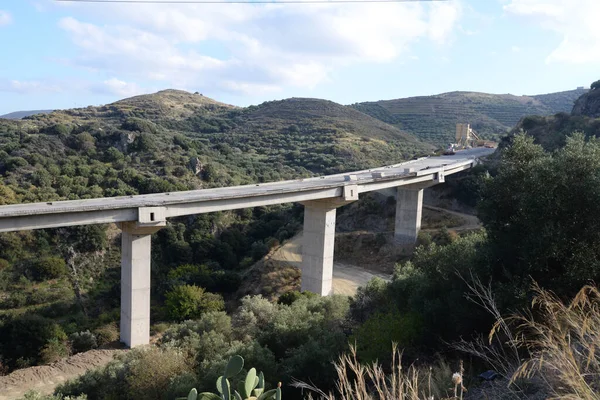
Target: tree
[542,215]
[50,268]
[190,301]
[595,85]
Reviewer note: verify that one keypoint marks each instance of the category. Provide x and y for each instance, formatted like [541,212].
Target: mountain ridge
[433,118]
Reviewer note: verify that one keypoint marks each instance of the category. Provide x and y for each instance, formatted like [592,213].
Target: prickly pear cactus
[252,387]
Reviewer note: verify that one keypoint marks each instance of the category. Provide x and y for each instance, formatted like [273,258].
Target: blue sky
[64,55]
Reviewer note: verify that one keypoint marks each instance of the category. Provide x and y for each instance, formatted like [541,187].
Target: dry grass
[552,351]
[370,382]
[563,341]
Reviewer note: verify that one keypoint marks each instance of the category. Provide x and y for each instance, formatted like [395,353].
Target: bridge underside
[141,216]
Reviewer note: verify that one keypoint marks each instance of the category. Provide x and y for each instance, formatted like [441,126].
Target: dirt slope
[45,378]
[346,278]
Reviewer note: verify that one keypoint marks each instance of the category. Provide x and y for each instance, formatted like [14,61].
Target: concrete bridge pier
[318,241]
[409,208]
[135,275]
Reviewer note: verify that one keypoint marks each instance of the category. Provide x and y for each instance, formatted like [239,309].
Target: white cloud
[118,87]
[5,18]
[515,49]
[26,87]
[250,48]
[575,21]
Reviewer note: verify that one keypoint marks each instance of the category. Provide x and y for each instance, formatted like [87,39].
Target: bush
[49,268]
[153,372]
[54,351]
[148,370]
[374,338]
[107,334]
[26,335]
[190,301]
[83,341]
[33,395]
[290,297]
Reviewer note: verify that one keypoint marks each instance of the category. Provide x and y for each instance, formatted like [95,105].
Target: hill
[64,281]
[23,114]
[551,131]
[433,118]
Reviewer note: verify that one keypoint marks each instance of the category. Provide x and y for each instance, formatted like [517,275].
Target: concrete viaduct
[140,216]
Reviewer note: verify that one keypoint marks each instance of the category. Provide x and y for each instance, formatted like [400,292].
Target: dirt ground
[45,378]
[346,278]
[358,258]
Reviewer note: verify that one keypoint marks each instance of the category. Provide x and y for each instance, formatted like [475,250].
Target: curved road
[348,278]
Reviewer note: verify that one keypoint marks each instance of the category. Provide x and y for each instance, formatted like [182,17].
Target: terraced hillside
[433,118]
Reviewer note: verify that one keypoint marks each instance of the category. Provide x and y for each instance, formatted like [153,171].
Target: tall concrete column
[317,248]
[409,206]
[318,243]
[135,276]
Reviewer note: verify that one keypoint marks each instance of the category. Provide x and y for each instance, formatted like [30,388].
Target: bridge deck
[115,209]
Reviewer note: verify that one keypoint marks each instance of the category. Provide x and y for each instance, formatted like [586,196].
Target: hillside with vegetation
[552,131]
[59,287]
[434,118]
[539,246]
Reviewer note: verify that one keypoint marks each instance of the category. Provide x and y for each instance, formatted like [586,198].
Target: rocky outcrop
[196,166]
[125,139]
[588,104]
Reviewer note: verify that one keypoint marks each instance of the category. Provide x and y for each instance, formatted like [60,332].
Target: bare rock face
[196,166]
[588,104]
[124,141]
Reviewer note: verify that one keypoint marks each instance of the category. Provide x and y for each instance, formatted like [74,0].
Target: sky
[65,54]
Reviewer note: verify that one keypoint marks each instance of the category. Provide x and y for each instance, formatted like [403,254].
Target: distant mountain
[23,114]
[433,118]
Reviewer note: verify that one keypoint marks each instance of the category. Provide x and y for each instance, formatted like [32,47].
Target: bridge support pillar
[318,243]
[409,206]
[135,282]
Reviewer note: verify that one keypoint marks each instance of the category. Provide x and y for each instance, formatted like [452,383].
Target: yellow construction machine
[467,138]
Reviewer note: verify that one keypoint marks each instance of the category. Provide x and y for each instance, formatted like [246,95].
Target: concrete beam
[409,207]
[136,240]
[318,243]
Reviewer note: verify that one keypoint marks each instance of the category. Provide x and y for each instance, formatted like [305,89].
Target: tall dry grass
[563,343]
[551,351]
[370,382]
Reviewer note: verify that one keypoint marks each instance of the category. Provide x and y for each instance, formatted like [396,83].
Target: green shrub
[153,372]
[54,351]
[24,336]
[49,268]
[190,301]
[83,341]
[374,338]
[106,334]
[33,395]
[291,296]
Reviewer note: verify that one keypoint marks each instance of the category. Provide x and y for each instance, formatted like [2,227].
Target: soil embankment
[45,378]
